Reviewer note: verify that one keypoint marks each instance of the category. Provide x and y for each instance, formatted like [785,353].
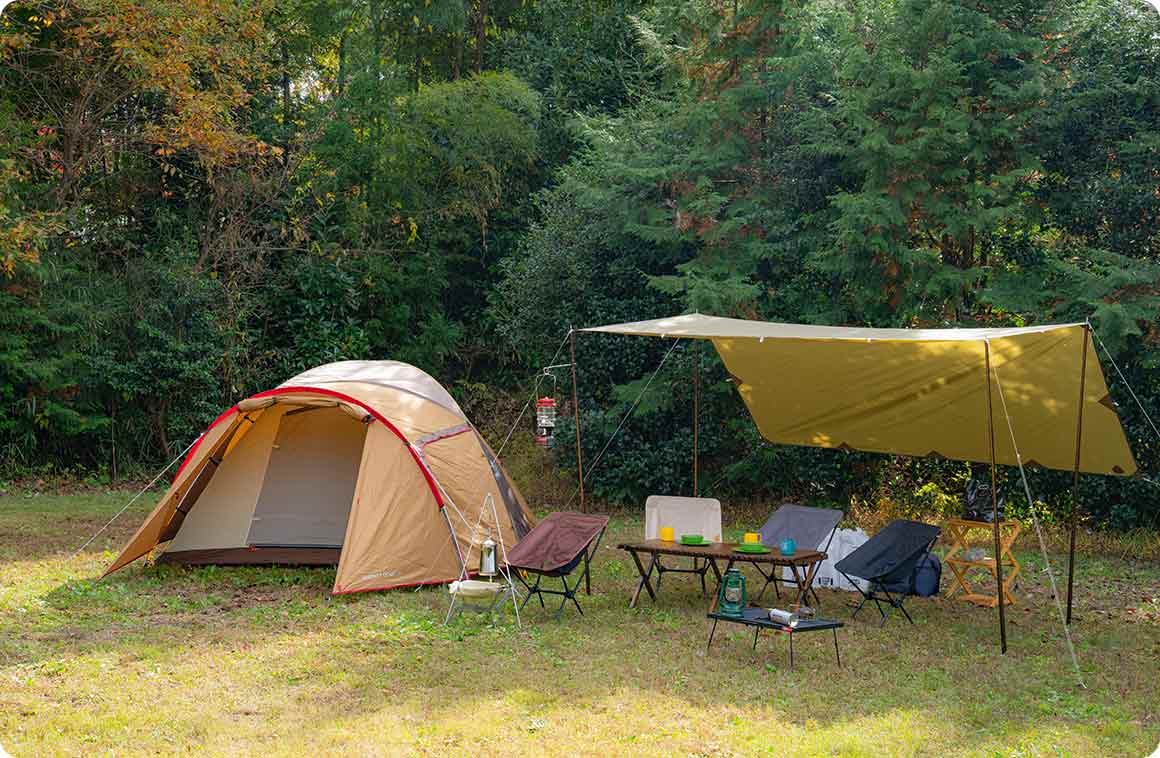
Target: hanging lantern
[732,598]
[487,565]
[546,422]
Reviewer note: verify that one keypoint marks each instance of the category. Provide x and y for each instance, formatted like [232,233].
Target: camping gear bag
[927,576]
[978,505]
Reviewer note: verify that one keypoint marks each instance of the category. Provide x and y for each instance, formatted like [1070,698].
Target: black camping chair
[887,561]
[808,527]
[554,549]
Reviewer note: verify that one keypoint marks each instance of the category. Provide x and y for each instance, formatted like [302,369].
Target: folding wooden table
[963,535]
[803,564]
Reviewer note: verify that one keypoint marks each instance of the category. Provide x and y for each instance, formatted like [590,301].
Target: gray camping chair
[808,527]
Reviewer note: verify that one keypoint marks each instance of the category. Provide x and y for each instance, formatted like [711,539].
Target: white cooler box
[827,577]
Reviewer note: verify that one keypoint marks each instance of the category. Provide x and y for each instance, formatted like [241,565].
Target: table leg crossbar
[700,569]
[775,577]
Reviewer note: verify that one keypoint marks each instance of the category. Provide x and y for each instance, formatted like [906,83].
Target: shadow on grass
[338,657]
[332,659]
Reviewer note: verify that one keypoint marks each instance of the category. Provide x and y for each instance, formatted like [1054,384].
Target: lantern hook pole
[531,399]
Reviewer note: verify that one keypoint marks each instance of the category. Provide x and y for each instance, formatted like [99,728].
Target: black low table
[759,619]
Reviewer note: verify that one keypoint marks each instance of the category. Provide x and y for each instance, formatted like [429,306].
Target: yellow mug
[752,538]
[666,534]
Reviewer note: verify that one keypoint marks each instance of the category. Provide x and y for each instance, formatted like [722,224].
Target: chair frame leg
[861,592]
[567,593]
[896,602]
[533,589]
[879,595]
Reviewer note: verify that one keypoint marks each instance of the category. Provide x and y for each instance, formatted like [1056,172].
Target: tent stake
[576,415]
[995,508]
[696,421]
[1075,473]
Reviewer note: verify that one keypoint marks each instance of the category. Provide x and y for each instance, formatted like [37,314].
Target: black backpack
[927,574]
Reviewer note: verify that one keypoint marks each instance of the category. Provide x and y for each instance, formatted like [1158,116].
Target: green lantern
[731,600]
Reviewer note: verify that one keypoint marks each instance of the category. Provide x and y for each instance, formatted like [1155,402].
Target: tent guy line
[136,497]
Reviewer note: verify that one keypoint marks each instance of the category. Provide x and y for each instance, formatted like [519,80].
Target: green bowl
[693,539]
[751,548]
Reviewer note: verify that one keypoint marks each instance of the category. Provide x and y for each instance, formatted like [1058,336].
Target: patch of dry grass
[215,661]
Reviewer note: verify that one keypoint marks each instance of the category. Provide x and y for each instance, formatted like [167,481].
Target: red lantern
[545,422]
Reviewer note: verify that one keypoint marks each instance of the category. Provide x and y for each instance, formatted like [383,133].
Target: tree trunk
[417,66]
[159,417]
[113,438]
[480,33]
[286,114]
[340,84]
[457,58]
[376,66]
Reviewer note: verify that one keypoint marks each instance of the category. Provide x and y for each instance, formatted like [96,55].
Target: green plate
[751,548]
[702,543]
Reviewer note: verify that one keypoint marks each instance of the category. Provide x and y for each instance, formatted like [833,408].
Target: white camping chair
[686,515]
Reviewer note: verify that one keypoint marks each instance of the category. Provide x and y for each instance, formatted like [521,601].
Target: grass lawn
[264,661]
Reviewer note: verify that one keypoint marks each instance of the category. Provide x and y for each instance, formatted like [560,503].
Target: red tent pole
[1075,473]
[995,509]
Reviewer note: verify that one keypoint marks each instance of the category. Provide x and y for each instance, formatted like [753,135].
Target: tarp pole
[995,508]
[1075,472]
[576,416]
[696,421]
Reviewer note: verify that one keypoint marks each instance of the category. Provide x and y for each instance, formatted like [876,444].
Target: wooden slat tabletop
[724,551]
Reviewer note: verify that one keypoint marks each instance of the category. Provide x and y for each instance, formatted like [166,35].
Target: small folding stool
[477,595]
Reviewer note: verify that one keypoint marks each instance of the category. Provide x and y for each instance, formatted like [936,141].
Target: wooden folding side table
[963,536]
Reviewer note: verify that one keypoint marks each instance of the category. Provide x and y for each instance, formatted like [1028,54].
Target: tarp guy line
[1038,532]
[1143,410]
[635,403]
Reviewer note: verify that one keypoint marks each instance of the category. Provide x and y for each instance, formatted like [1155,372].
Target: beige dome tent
[370,465]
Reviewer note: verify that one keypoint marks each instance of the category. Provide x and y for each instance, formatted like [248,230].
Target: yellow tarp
[920,392]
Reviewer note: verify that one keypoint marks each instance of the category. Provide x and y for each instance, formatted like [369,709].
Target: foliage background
[199,199]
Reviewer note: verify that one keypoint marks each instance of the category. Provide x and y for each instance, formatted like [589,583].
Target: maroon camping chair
[554,549]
